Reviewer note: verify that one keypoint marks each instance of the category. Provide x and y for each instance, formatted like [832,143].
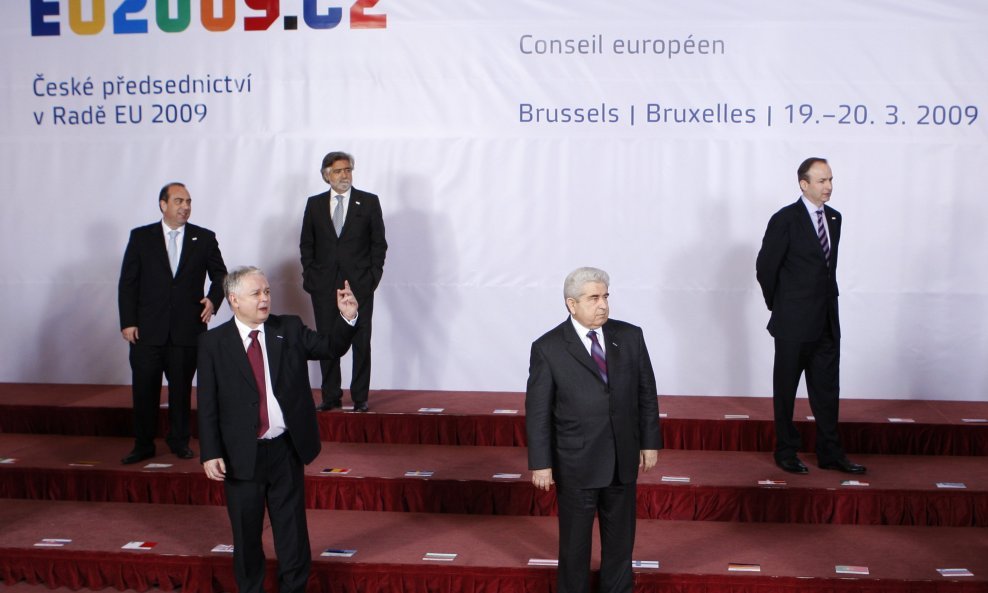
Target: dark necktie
[597,353]
[256,358]
[821,234]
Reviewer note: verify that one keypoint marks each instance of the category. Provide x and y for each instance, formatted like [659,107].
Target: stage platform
[882,427]
[721,486]
[492,553]
[60,477]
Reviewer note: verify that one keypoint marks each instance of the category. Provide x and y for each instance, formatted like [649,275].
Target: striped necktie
[597,353]
[821,233]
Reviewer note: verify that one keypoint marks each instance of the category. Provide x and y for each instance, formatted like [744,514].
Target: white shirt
[346,203]
[276,419]
[178,238]
[811,208]
[582,332]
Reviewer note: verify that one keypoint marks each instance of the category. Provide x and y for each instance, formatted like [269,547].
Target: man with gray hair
[342,241]
[257,422]
[592,421]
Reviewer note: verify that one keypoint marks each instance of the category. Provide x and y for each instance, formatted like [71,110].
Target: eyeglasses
[347,170]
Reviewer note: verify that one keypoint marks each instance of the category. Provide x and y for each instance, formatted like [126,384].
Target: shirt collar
[167,229]
[245,330]
[810,206]
[582,331]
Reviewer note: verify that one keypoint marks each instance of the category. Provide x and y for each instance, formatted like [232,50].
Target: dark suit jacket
[798,286]
[228,396]
[158,304]
[580,426]
[357,255]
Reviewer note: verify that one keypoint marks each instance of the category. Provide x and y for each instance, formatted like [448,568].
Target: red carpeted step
[685,485]
[492,553]
[884,427]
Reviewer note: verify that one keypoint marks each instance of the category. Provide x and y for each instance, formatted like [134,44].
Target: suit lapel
[156,236]
[834,227]
[809,229]
[190,239]
[354,209]
[236,354]
[576,348]
[612,351]
[273,341]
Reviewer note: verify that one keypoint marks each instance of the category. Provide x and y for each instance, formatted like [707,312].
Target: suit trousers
[820,360]
[327,314]
[148,364]
[615,508]
[278,480]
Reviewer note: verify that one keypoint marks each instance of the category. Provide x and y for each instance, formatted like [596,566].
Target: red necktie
[256,358]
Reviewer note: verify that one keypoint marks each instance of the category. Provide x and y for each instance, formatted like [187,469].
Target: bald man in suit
[162,312]
[797,271]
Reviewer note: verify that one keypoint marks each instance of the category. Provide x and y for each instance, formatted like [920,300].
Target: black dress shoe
[184,453]
[792,465]
[327,406]
[136,457]
[361,407]
[845,465]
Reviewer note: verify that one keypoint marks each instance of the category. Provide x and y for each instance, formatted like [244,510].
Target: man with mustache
[342,240]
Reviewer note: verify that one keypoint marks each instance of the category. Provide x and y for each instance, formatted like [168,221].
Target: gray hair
[231,283]
[337,155]
[573,286]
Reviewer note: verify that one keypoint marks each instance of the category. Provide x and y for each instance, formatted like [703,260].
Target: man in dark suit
[343,241]
[797,270]
[257,423]
[162,312]
[592,420]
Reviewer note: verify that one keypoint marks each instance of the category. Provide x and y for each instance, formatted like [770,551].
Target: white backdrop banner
[511,142]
